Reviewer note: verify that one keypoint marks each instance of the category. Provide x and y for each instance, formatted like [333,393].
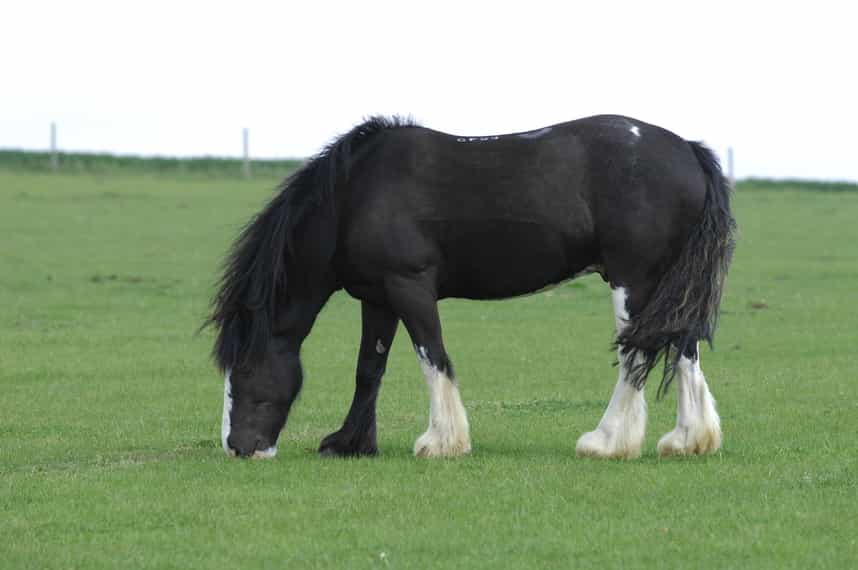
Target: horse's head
[256,403]
[262,317]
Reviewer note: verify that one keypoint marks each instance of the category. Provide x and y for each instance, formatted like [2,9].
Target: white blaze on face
[227,410]
[226,424]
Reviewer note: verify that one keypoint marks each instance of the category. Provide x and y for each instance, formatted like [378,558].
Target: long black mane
[254,279]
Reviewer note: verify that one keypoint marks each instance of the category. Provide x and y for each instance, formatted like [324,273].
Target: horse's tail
[298,228]
[683,308]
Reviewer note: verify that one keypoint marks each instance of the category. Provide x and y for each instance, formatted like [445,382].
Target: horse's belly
[499,259]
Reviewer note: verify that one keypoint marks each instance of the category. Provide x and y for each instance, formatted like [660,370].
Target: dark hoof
[339,445]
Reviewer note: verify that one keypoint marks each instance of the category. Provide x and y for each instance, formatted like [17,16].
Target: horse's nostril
[240,452]
[240,446]
[235,449]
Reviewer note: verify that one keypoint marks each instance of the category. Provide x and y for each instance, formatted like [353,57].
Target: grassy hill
[110,415]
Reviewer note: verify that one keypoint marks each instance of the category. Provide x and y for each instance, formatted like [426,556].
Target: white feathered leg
[698,427]
[621,430]
[448,433]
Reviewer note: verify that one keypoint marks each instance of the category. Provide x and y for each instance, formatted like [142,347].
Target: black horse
[401,216]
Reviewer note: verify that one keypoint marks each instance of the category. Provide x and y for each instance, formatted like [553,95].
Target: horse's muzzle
[257,450]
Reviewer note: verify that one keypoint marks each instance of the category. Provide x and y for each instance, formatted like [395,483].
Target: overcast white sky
[776,81]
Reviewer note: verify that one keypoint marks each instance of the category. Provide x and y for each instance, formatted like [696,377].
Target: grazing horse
[401,216]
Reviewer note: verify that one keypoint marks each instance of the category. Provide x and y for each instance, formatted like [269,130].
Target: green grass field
[110,408]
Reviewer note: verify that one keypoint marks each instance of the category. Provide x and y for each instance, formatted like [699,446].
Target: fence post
[246,155]
[730,172]
[55,159]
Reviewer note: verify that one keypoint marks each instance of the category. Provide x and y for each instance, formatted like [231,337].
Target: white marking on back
[635,131]
[227,410]
[477,139]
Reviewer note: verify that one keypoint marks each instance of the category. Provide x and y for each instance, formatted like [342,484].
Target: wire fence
[55,160]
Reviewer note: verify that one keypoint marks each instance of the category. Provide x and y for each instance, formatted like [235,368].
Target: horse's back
[504,215]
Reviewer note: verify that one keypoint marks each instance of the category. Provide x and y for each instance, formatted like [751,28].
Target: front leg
[415,301]
[357,436]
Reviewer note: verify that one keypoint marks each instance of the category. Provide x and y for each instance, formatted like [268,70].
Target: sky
[776,81]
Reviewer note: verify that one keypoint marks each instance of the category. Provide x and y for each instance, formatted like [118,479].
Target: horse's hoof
[688,441]
[431,445]
[335,445]
[599,445]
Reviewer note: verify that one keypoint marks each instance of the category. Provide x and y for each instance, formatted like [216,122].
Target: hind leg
[357,436]
[698,427]
[621,430]
[448,432]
